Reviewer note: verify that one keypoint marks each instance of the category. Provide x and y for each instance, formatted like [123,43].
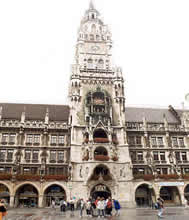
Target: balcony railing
[145,177]
[168,176]
[56,177]
[30,177]
[101,157]
[5,176]
[101,140]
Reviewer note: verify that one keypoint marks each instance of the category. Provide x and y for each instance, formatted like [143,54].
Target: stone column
[40,201]
[11,203]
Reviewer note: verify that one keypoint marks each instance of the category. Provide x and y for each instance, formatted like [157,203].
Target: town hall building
[96,145]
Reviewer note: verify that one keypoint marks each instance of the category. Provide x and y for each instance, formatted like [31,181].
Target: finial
[91,5]
[47,116]
[1,109]
[23,116]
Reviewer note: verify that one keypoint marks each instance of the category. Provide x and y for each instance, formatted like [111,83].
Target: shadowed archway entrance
[100,190]
[170,195]
[54,192]
[144,195]
[26,196]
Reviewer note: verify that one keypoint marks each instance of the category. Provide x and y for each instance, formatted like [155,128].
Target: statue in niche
[122,171]
[149,157]
[171,157]
[87,171]
[90,152]
[80,172]
[70,171]
[83,152]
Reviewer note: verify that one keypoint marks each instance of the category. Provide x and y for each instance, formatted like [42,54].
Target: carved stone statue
[80,172]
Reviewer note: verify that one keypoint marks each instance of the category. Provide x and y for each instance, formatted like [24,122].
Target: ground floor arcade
[130,194]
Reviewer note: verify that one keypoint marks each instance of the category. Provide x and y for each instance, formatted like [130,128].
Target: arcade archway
[144,195]
[26,196]
[170,195]
[100,190]
[186,192]
[54,192]
[4,193]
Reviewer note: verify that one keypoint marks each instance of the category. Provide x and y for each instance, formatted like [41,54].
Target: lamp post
[150,195]
[70,188]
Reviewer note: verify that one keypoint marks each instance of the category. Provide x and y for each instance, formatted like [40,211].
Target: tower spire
[91,5]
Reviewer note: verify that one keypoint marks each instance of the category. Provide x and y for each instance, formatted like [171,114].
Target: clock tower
[99,154]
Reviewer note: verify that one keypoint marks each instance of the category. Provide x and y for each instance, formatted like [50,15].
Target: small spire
[47,116]
[1,111]
[91,5]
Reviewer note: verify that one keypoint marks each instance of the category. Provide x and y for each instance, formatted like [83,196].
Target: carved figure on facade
[122,171]
[85,152]
[81,171]
[70,171]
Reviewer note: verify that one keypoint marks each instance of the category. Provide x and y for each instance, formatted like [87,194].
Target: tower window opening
[101,151]
[90,63]
[91,37]
[100,63]
[100,136]
[93,16]
[97,37]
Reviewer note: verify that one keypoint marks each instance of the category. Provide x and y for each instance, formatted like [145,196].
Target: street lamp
[150,194]
[70,188]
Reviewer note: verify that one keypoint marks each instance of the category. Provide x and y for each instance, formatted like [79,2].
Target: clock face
[95,48]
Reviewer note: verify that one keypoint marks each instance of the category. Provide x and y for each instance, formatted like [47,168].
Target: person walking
[53,204]
[160,207]
[109,207]
[117,207]
[82,207]
[3,210]
[72,207]
[100,207]
[88,208]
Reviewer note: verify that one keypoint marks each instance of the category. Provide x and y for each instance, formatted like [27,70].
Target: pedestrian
[72,207]
[109,207]
[82,207]
[117,207]
[53,204]
[3,210]
[186,203]
[88,208]
[100,207]
[160,207]
[61,205]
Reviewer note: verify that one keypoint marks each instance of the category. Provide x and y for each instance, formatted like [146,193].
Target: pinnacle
[91,5]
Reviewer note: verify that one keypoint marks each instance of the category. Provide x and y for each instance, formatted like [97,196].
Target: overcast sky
[151,44]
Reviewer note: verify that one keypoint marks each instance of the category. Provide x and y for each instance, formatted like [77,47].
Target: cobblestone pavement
[126,214]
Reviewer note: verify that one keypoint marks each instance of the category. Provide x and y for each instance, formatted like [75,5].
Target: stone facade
[96,144]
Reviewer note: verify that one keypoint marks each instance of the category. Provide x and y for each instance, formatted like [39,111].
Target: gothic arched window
[101,63]
[91,37]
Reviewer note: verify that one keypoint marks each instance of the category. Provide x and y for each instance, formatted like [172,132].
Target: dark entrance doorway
[4,193]
[55,193]
[170,195]
[186,192]
[26,196]
[100,190]
[144,196]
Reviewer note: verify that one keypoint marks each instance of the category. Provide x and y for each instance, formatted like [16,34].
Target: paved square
[130,214]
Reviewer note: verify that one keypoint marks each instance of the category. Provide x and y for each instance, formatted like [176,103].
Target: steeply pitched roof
[35,111]
[152,115]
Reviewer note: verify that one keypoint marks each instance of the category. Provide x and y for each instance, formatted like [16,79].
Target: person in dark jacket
[3,210]
[117,207]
